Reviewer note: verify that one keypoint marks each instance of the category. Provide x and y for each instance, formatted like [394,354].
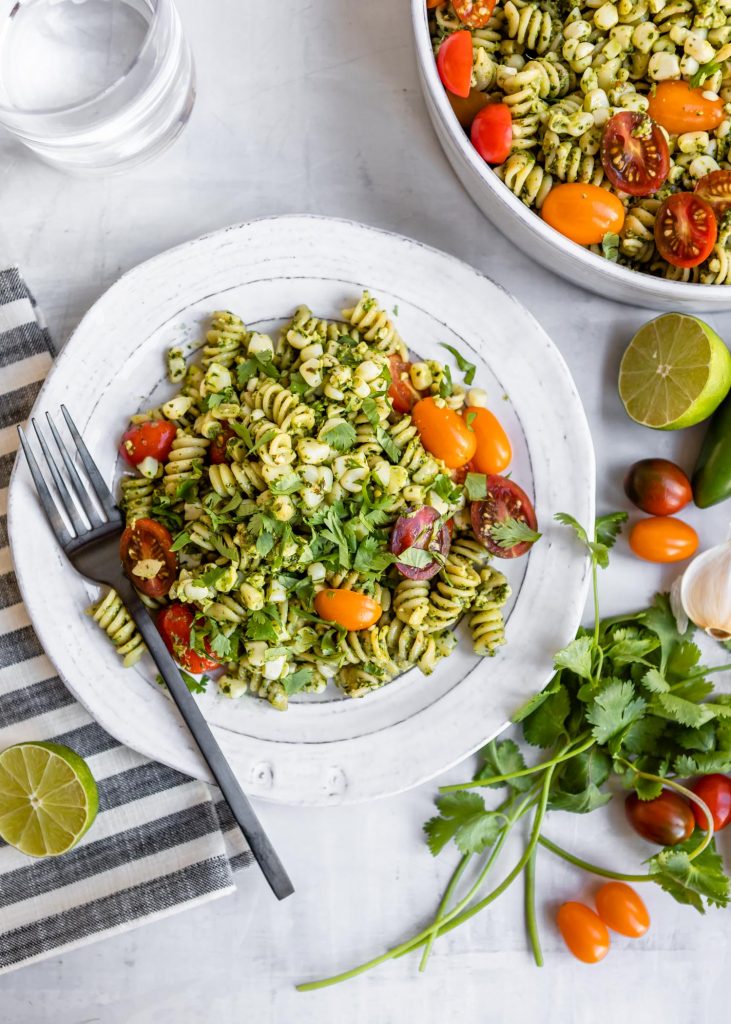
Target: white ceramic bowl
[525,228]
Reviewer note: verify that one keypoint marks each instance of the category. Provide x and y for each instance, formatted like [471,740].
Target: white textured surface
[320,111]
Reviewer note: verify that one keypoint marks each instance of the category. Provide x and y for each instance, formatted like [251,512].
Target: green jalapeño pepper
[712,474]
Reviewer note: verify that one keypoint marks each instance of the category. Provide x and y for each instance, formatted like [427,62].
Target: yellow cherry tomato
[583,213]
[680,108]
[444,434]
[347,608]
[493,452]
[663,539]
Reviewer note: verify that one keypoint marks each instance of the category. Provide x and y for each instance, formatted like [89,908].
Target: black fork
[92,547]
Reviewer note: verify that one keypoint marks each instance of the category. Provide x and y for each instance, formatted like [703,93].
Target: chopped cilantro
[467,368]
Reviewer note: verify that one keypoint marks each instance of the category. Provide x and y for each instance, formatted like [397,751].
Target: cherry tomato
[715,792]
[493,452]
[174,624]
[505,500]
[454,62]
[467,108]
[444,433]
[583,213]
[715,189]
[583,931]
[658,487]
[622,909]
[680,108]
[475,13]
[685,229]
[401,392]
[667,820]
[635,154]
[417,530]
[217,451]
[663,539]
[492,133]
[152,439]
[148,541]
[347,608]
[431,4]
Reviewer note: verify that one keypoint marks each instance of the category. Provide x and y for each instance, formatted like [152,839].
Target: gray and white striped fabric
[160,843]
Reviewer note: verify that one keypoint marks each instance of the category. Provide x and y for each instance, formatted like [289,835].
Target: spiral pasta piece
[110,615]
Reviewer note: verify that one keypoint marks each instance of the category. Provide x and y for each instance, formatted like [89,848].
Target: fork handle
[241,808]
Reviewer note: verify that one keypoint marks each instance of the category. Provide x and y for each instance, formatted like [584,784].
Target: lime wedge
[48,798]
[675,372]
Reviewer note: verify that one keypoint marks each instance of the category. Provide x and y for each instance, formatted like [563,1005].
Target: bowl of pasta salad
[594,134]
[339,454]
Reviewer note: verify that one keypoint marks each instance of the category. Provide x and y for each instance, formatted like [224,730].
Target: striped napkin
[160,843]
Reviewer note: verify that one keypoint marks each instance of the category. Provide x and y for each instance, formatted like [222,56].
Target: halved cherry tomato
[217,451]
[475,13]
[152,439]
[431,4]
[492,133]
[454,62]
[467,108]
[715,791]
[493,452]
[583,213]
[443,433]
[667,820]
[622,909]
[505,500]
[148,542]
[402,392]
[663,539]
[680,108]
[635,153]
[174,623]
[583,931]
[715,189]
[685,229]
[658,487]
[418,530]
[347,608]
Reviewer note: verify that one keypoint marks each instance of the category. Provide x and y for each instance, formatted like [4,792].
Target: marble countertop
[316,108]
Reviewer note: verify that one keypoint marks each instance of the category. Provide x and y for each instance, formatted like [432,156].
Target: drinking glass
[94,86]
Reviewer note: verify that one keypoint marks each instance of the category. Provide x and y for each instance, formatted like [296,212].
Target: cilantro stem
[566,754]
[530,908]
[456,875]
[592,868]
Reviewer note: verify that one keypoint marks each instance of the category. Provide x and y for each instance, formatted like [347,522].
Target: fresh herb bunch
[629,702]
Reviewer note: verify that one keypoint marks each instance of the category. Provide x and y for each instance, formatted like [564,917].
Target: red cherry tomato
[685,229]
[715,189]
[658,487]
[347,608]
[454,62]
[492,133]
[622,910]
[680,108]
[583,931]
[583,213]
[417,530]
[152,439]
[715,792]
[148,541]
[174,624]
[667,820]
[475,13]
[402,392]
[493,452]
[635,154]
[444,433]
[663,539]
[505,500]
[217,451]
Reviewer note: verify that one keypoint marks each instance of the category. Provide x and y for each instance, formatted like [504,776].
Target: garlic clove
[705,591]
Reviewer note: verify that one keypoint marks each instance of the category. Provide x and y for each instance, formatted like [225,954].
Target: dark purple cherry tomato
[418,529]
[715,792]
[667,820]
[658,487]
[505,500]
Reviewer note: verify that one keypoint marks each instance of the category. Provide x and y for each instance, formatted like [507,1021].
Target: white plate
[335,749]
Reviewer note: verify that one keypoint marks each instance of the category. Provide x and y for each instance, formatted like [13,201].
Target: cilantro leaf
[476,486]
[341,436]
[567,520]
[654,681]
[576,656]
[614,709]
[221,646]
[537,699]
[193,684]
[610,246]
[608,527]
[704,71]
[583,802]
[261,627]
[502,759]
[544,727]
[509,532]
[684,711]
[445,384]
[297,681]
[690,881]
[660,619]
[286,484]
[446,489]
[468,369]
[463,817]
[417,558]
[180,541]
[703,763]
[372,558]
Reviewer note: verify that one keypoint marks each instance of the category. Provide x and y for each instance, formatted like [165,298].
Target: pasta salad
[316,508]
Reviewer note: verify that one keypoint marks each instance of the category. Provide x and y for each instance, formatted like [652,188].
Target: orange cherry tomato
[443,433]
[475,13]
[454,62]
[583,931]
[492,133]
[622,909]
[685,229]
[663,539]
[467,108]
[347,608]
[431,4]
[493,452]
[583,213]
[680,108]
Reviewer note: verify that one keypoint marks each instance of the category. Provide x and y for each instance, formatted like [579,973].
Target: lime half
[48,798]
[675,372]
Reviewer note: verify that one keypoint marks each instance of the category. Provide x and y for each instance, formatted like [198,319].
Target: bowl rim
[647,284]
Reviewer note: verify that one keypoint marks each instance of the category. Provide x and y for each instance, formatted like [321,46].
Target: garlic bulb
[705,591]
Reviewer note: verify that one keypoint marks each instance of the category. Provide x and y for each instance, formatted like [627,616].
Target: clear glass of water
[94,86]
